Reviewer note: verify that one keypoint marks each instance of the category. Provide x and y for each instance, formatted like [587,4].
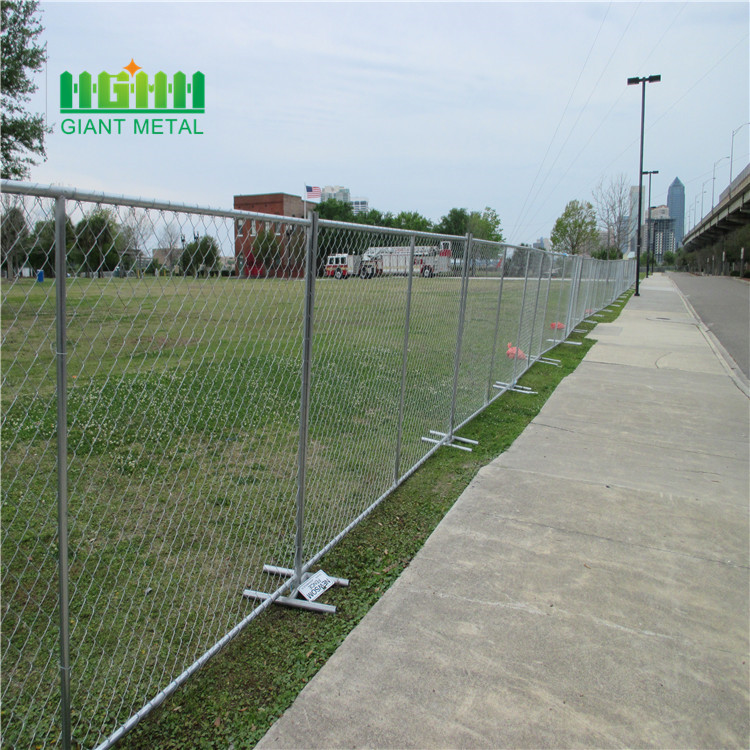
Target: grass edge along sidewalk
[239,694]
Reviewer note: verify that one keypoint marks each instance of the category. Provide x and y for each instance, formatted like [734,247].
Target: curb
[726,359]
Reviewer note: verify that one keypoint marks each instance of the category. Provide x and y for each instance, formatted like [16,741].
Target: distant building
[281,252]
[676,204]
[343,194]
[633,221]
[336,192]
[168,256]
[662,238]
[543,243]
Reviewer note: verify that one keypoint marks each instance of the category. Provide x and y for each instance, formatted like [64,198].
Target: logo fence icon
[129,92]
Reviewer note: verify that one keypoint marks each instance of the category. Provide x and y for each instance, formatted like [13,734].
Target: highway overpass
[731,212]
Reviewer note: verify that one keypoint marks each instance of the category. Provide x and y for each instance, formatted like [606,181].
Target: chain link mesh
[184,333]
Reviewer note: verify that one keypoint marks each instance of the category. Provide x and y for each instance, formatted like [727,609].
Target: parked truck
[394,261]
[342,265]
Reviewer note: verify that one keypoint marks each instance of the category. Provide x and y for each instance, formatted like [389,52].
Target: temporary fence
[197,406]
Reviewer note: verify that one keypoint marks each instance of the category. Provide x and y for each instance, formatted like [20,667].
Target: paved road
[723,304]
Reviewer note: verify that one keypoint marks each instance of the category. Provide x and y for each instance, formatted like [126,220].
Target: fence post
[311,270]
[530,353]
[459,338]
[410,275]
[559,299]
[587,292]
[546,303]
[491,380]
[62,466]
[520,317]
[572,321]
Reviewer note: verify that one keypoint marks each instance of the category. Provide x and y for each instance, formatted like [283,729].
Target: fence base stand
[573,343]
[295,600]
[451,444]
[287,601]
[549,361]
[515,388]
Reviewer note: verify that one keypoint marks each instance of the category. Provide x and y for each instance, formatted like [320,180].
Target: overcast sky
[521,106]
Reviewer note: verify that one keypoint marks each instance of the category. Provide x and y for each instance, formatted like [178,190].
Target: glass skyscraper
[676,205]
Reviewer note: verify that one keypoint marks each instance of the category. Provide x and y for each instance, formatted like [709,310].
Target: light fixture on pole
[648,221]
[703,192]
[713,187]
[696,220]
[731,154]
[633,82]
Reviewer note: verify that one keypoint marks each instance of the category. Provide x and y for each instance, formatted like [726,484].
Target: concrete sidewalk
[588,589]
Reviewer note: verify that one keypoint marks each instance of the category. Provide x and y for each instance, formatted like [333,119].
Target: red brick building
[269,248]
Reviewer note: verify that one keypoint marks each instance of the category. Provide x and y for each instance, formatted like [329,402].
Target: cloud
[520,106]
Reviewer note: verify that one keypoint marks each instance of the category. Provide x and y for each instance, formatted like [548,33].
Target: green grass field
[183,420]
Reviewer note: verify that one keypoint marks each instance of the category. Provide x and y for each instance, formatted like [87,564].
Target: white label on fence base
[315,585]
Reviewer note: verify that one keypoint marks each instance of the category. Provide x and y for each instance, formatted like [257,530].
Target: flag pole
[304,199]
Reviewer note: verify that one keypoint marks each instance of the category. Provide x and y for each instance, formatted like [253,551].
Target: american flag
[313,193]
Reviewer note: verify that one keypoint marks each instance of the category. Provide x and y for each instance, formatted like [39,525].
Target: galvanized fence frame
[424,356]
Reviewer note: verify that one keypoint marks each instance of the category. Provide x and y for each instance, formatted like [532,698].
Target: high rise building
[662,238]
[337,192]
[343,194]
[633,221]
[676,204]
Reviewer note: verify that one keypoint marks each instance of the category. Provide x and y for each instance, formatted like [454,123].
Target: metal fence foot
[515,388]
[450,444]
[297,601]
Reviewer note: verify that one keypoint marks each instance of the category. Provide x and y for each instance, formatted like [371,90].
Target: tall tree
[169,242]
[575,230]
[200,256]
[13,237]
[455,222]
[485,225]
[412,220]
[98,242]
[335,210]
[22,56]
[40,247]
[612,202]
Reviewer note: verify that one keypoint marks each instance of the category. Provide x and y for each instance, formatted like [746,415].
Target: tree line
[484,225]
[97,244]
[599,228]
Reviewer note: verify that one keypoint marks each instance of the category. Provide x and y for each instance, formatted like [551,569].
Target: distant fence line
[176,446]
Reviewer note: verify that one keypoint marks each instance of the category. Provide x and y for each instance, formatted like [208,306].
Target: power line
[562,116]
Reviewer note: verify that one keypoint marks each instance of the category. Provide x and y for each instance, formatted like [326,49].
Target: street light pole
[696,220]
[633,82]
[713,187]
[703,192]
[648,222]
[731,154]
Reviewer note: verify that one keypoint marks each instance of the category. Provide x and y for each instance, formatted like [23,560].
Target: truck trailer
[394,261]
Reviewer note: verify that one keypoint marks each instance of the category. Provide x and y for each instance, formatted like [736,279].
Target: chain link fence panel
[238,391]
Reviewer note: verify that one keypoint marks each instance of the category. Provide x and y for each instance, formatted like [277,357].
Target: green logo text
[131,92]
